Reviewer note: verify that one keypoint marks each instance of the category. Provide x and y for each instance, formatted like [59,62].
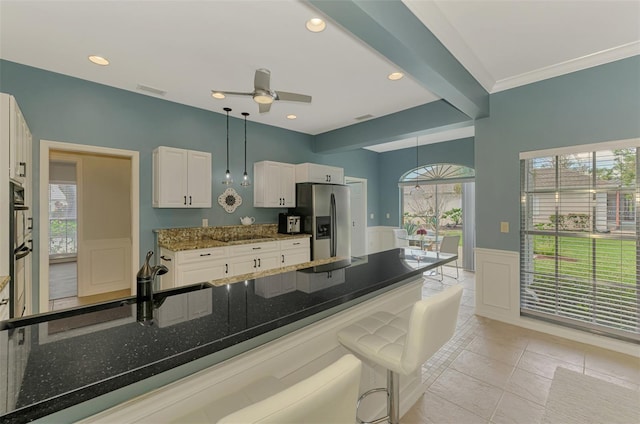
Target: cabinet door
[268,261]
[168,259]
[170,177]
[199,179]
[294,257]
[202,272]
[273,191]
[288,185]
[243,265]
[336,175]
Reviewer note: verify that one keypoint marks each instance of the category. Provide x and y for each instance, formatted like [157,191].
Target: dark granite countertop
[75,355]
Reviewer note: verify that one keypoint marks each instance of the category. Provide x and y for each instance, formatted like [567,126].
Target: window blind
[580,260]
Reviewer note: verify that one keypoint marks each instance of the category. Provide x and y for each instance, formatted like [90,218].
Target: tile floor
[491,372]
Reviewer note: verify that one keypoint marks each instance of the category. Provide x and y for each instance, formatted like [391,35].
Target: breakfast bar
[79,362]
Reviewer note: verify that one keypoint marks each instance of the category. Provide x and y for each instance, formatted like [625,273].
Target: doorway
[358,201]
[79,249]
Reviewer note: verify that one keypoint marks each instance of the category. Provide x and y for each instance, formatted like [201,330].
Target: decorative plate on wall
[230,200]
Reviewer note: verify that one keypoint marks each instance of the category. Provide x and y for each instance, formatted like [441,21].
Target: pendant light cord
[245,114]
[227,110]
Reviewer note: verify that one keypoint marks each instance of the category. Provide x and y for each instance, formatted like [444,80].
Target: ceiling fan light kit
[417,188]
[263,94]
[227,176]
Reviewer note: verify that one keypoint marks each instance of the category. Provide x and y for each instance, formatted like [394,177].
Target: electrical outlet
[504,227]
[205,222]
[371,216]
[388,215]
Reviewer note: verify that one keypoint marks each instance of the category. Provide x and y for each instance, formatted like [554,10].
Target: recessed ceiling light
[217,95]
[291,116]
[394,76]
[99,60]
[316,25]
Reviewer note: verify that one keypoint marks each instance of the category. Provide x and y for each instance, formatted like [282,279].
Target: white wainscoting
[379,239]
[104,266]
[290,358]
[498,298]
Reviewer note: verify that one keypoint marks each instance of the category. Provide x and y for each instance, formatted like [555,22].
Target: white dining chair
[449,244]
[400,237]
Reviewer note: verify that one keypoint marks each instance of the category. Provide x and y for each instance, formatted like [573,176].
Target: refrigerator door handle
[333,244]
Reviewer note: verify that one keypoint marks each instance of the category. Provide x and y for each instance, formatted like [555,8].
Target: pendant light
[227,176]
[246,182]
[417,188]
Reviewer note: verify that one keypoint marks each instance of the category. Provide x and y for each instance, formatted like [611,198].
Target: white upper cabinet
[16,134]
[274,185]
[181,178]
[316,173]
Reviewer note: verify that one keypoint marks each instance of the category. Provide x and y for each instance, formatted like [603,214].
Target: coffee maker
[289,224]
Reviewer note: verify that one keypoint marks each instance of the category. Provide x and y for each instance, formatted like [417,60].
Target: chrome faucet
[144,284]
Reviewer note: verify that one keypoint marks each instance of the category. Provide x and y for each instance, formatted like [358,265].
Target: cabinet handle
[4,302]
[164,258]
[205,254]
[255,263]
[297,243]
[185,200]
[30,227]
[329,178]
[282,258]
[258,262]
[24,169]
[256,248]
[189,200]
[226,268]
[21,339]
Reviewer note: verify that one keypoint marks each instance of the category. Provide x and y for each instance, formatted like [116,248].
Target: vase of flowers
[421,232]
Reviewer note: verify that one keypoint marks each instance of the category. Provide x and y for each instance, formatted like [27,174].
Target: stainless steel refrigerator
[326,215]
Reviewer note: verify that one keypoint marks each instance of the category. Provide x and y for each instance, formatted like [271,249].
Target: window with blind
[580,252]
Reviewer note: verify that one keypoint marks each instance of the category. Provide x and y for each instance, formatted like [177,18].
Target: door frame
[45,151]
[365,211]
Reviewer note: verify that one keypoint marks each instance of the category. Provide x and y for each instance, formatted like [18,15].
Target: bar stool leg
[393,400]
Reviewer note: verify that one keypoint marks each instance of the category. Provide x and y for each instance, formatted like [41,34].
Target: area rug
[578,398]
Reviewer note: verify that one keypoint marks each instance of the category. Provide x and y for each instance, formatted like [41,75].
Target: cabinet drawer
[297,243]
[200,255]
[253,248]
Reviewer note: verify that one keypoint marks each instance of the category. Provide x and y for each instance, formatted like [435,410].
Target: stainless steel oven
[20,244]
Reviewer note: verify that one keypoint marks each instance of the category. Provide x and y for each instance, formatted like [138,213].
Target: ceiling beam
[419,120]
[389,27]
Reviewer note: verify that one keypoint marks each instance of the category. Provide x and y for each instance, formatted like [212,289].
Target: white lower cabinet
[293,252]
[255,257]
[202,265]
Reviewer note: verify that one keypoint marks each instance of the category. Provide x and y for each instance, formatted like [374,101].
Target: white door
[358,216]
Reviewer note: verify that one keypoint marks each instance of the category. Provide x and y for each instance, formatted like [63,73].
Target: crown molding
[573,65]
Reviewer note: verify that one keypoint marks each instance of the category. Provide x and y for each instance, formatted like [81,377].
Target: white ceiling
[188,48]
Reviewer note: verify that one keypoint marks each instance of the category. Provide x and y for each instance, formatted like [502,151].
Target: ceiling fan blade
[262,107]
[261,80]
[292,97]
[232,93]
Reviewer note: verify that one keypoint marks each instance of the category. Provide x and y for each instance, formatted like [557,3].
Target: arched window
[438,172]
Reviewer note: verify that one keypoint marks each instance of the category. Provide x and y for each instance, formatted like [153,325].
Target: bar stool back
[400,345]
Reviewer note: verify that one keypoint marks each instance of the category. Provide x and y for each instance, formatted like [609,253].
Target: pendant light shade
[246,182]
[417,188]
[227,176]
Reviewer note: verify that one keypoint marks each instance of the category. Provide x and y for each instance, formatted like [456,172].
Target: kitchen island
[79,362]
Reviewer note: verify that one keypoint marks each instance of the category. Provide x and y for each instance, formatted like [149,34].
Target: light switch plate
[504,227]
[371,216]
[388,215]
[205,222]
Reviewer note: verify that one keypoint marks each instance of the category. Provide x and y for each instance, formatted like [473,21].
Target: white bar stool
[401,346]
[328,396]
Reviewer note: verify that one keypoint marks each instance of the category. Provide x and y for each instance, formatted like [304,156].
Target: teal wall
[62,108]
[394,164]
[595,105]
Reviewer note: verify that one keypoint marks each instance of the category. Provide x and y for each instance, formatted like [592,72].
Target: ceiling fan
[263,94]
